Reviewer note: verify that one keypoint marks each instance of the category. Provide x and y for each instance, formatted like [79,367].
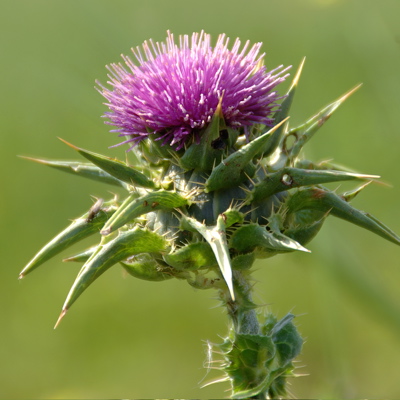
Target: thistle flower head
[175,88]
[205,214]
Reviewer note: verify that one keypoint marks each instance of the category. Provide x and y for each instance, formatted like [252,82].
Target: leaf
[232,216]
[252,237]
[116,168]
[192,257]
[327,201]
[147,268]
[133,207]
[78,230]
[203,155]
[304,225]
[231,171]
[287,340]
[305,132]
[282,114]
[216,238]
[85,170]
[82,256]
[125,245]
[288,178]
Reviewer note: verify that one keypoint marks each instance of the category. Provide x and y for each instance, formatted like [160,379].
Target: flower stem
[259,350]
[241,311]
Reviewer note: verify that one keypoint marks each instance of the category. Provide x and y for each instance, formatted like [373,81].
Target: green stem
[258,355]
[241,311]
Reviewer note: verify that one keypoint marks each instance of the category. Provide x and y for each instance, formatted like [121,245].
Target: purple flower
[175,89]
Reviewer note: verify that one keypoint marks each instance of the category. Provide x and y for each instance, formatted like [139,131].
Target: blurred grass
[131,339]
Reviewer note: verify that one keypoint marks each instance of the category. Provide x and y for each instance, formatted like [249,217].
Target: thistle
[216,181]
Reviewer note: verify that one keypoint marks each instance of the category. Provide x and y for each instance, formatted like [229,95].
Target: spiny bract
[217,182]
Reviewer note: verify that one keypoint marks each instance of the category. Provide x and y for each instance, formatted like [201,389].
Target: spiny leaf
[247,361]
[192,257]
[327,201]
[116,168]
[132,197]
[288,178]
[202,156]
[287,340]
[232,216]
[126,244]
[281,114]
[231,171]
[155,150]
[147,268]
[78,230]
[306,131]
[304,225]
[323,165]
[284,109]
[258,364]
[252,237]
[216,238]
[82,256]
[133,207]
[86,170]
[350,194]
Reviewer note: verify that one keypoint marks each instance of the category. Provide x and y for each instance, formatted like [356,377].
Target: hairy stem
[241,311]
[259,350]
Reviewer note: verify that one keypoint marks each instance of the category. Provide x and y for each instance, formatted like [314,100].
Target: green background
[127,338]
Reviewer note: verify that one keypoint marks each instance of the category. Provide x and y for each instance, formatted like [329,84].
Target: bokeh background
[133,339]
